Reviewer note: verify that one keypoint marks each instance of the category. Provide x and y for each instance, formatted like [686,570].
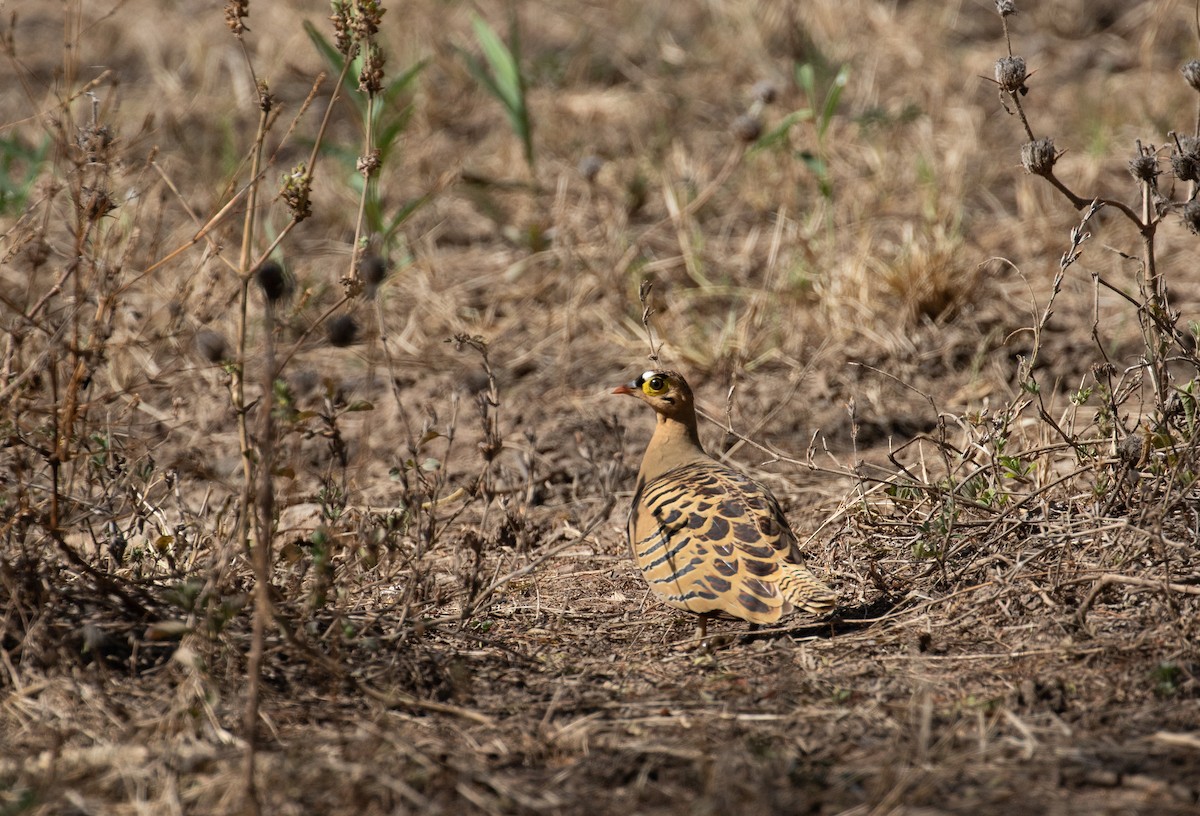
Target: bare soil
[975,454]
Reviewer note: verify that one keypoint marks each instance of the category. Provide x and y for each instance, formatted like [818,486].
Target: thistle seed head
[1191,72]
[1185,159]
[1038,157]
[1144,167]
[95,202]
[211,346]
[1011,74]
[342,331]
[1191,215]
[372,269]
[272,280]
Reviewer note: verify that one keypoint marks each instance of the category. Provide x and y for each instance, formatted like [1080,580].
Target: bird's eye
[655,385]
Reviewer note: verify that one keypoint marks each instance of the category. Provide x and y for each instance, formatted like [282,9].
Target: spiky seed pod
[1011,74]
[211,346]
[95,203]
[95,141]
[1191,72]
[1191,215]
[372,269]
[1006,7]
[1144,168]
[342,331]
[272,281]
[1185,159]
[765,91]
[1132,449]
[1038,157]
[747,128]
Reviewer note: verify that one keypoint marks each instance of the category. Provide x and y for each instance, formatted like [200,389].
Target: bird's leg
[702,627]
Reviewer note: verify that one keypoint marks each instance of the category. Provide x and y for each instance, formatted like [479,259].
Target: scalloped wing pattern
[708,538]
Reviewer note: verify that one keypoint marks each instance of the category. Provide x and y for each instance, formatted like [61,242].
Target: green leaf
[504,80]
[333,57]
[331,54]
[779,133]
[501,60]
[814,163]
[387,133]
[401,82]
[806,79]
[831,100]
[404,213]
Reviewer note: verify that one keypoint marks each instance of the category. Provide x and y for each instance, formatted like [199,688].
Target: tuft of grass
[501,75]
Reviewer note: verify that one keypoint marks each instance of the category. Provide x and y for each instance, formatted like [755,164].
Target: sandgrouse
[706,537]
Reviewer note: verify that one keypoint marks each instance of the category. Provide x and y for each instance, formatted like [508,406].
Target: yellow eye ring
[654,385]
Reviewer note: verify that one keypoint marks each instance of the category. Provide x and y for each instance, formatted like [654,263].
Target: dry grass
[966,428]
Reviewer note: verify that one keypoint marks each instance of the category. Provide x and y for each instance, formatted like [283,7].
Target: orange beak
[625,389]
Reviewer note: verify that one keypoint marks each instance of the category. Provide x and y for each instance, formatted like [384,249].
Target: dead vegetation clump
[313,499]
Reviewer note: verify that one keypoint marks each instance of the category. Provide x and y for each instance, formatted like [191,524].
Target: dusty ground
[458,628]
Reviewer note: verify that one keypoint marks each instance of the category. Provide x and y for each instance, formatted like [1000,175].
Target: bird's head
[667,392]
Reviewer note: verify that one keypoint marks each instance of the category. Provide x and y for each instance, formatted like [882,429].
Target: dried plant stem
[1016,100]
[299,344]
[262,547]
[215,220]
[368,170]
[1007,34]
[648,312]
[308,174]
[1157,325]
[476,604]
[1129,580]
[259,555]
[211,224]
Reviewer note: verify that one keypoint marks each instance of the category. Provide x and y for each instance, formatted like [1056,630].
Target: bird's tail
[804,591]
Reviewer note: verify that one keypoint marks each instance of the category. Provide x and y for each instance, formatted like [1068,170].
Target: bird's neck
[674,443]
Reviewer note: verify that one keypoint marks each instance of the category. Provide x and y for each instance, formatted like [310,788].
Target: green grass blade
[501,60]
[778,134]
[832,98]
